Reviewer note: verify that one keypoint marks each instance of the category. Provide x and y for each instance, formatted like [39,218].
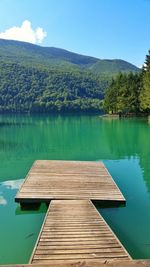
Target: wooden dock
[73,233]
[73,230]
[50,179]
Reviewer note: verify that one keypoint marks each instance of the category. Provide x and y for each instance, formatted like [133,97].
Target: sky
[106,29]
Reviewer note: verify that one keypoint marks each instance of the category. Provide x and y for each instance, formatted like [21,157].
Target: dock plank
[56,179]
[89,263]
[74,230]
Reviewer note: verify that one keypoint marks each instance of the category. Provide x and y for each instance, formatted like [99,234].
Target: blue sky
[100,28]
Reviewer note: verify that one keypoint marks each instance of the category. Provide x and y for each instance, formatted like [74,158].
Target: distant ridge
[22,51]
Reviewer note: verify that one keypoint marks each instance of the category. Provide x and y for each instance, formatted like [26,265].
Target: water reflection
[14,184]
[3,201]
[122,144]
[35,209]
[131,223]
[18,234]
[71,137]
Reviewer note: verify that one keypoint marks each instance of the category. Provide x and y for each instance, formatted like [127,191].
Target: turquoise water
[123,145]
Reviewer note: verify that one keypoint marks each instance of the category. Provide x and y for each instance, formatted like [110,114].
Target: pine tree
[110,100]
[145,92]
[122,96]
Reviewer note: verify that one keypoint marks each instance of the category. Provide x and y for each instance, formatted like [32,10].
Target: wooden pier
[74,230]
[73,233]
[50,179]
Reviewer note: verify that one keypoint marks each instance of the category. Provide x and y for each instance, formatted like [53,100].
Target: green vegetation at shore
[48,79]
[145,90]
[129,93]
[28,89]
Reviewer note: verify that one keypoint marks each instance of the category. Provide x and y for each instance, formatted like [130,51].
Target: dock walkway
[74,230]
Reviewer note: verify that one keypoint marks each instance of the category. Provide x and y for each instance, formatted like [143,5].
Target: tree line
[31,88]
[129,93]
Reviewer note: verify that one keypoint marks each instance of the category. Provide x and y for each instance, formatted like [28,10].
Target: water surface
[123,145]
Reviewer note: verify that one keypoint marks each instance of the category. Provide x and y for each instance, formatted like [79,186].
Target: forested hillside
[39,79]
[130,93]
[24,89]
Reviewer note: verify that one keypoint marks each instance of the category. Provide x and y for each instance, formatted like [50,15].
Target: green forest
[40,79]
[129,93]
[29,89]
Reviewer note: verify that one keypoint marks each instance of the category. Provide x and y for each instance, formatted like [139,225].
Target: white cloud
[13,184]
[24,33]
[3,201]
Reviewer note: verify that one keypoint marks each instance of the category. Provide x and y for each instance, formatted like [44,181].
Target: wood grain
[50,179]
[74,230]
[89,263]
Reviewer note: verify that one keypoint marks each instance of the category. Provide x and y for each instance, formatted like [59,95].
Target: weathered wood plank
[84,241]
[50,179]
[73,230]
[89,263]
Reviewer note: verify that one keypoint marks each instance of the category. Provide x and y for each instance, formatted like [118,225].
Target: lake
[123,145]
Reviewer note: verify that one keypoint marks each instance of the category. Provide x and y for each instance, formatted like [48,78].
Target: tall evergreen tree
[122,95]
[145,92]
[110,101]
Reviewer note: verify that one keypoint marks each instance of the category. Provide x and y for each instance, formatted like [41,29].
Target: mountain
[23,52]
[112,66]
[48,79]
